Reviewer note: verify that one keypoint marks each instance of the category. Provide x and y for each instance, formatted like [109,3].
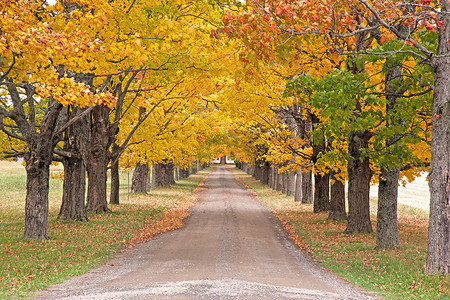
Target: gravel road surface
[230,248]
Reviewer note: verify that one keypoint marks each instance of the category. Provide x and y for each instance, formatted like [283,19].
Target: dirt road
[230,248]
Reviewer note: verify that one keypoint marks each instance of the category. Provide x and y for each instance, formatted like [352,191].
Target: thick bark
[387,230]
[321,192]
[307,187]
[272,177]
[114,196]
[321,182]
[279,182]
[184,173]
[36,203]
[359,175]
[141,179]
[164,174]
[290,183]
[264,173]
[74,186]
[258,170]
[252,169]
[337,200]
[38,159]
[438,255]
[98,160]
[285,183]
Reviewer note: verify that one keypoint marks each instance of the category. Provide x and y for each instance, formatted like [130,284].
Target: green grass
[74,247]
[393,274]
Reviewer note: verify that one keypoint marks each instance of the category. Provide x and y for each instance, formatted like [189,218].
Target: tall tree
[36,93]
[428,16]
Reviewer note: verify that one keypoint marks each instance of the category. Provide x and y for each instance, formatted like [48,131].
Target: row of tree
[353,91]
[335,89]
[102,85]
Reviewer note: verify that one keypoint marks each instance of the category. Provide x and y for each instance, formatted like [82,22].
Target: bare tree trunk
[438,254]
[153,177]
[38,161]
[164,174]
[321,182]
[307,187]
[290,183]
[36,203]
[114,196]
[184,173]
[337,200]
[359,175]
[265,173]
[387,231]
[280,178]
[98,160]
[141,178]
[258,170]
[272,177]
[321,193]
[74,187]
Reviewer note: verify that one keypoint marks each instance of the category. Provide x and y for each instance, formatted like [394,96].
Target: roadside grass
[74,247]
[392,274]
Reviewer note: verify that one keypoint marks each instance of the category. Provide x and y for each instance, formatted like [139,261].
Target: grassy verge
[76,247]
[394,274]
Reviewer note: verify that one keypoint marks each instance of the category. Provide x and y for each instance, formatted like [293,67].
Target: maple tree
[135,83]
[269,29]
[429,15]
[433,16]
[34,92]
[101,51]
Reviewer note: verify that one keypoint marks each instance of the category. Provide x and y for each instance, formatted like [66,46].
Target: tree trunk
[272,177]
[36,203]
[76,140]
[252,170]
[140,182]
[74,187]
[321,193]
[337,200]
[258,170]
[290,183]
[438,255]
[387,231]
[307,190]
[115,178]
[40,147]
[280,178]
[184,173]
[153,177]
[98,160]
[359,175]
[265,173]
[164,174]
[177,174]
